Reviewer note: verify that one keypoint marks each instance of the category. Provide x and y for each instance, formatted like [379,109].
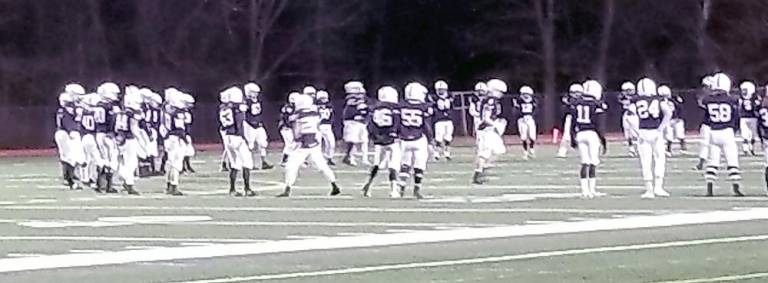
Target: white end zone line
[376,240]
[728,278]
[546,254]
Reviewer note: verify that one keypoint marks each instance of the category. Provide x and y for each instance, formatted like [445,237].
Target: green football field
[527,224]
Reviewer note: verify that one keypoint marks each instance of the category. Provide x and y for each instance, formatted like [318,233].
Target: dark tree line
[204,45]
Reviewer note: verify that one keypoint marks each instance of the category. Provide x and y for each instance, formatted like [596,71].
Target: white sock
[592,185]
[584,186]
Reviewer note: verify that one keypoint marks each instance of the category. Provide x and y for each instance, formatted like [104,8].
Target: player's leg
[659,167]
[765,162]
[703,146]
[247,165]
[565,141]
[679,129]
[522,131]
[629,135]
[393,164]
[752,125]
[364,145]
[448,139]
[380,157]
[175,156]
[262,142]
[288,143]
[189,152]
[235,163]
[440,129]
[225,153]
[67,170]
[292,166]
[77,155]
[406,164]
[731,152]
[669,137]
[317,158]
[645,152]
[585,157]
[713,163]
[532,137]
[746,135]
[420,157]
[128,165]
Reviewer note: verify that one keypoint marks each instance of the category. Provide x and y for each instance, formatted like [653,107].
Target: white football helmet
[292,97]
[234,95]
[415,92]
[252,90]
[65,99]
[628,88]
[576,88]
[91,99]
[354,87]
[497,87]
[665,91]
[74,88]
[747,89]
[309,90]
[323,96]
[388,94]
[721,82]
[526,90]
[224,96]
[441,85]
[132,99]
[593,89]
[303,102]
[108,91]
[646,87]
[132,89]
[481,88]
[707,81]
[156,100]
[188,99]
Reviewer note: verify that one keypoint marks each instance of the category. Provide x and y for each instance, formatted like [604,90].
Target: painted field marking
[60,223]
[376,240]
[343,209]
[495,259]
[127,239]
[721,279]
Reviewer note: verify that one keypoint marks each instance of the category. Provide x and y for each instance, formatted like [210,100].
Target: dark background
[202,46]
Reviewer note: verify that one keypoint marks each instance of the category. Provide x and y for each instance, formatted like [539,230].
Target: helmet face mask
[322,96]
[497,88]
[481,89]
[575,90]
[664,91]
[252,91]
[292,97]
[747,89]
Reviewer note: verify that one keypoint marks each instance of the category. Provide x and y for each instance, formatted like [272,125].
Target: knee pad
[592,171]
[392,174]
[418,174]
[584,171]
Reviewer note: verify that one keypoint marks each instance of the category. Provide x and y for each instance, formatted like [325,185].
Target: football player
[676,129]
[525,105]
[286,122]
[233,121]
[722,117]
[653,114]
[104,115]
[490,129]
[627,119]
[255,135]
[87,118]
[152,112]
[748,103]
[706,90]
[414,133]
[584,111]
[762,115]
[189,150]
[327,137]
[481,89]
[127,130]
[355,121]
[384,127]
[574,92]
[224,103]
[443,108]
[67,135]
[306,125]
[174,129]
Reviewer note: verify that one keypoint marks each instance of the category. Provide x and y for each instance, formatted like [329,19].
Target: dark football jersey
[286,116]
[356,108]
[722,111]
[747,107]
[385,123]
[231,120]
[489,107]
[762,116]
[585,114]
[174,121]
[626,100]
[152,116]
[648,110]
[677,103]
[526,108]
[305,128]
[87,120]
[325,110]
[65,121]
[413,121]
[125,121]
[443,107]
[253,114]
[104,116]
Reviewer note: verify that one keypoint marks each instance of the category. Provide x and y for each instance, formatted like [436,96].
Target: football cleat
[285,193]
[648,195]
[335,189]
[266,166]
[249,193]
[235,194]
[367,190]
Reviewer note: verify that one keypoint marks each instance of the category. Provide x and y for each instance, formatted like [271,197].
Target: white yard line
[728,278]
[495,259]
[377,240]
[341,209]
[126,239]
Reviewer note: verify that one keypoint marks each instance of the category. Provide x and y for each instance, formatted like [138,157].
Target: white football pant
[723,141]
[444,131]
[675,131]
[589,147]
[415,153]
[526,127]
[107,149]
[565,140]
[327,140]
[174,148]
[256,138]
[704,142]
[129,161]
[387,156]
[288,143]
[650,148]
[748,130]
[239,155]
[299,156]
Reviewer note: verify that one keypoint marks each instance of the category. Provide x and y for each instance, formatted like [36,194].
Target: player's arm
[666,108]
[634,124]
